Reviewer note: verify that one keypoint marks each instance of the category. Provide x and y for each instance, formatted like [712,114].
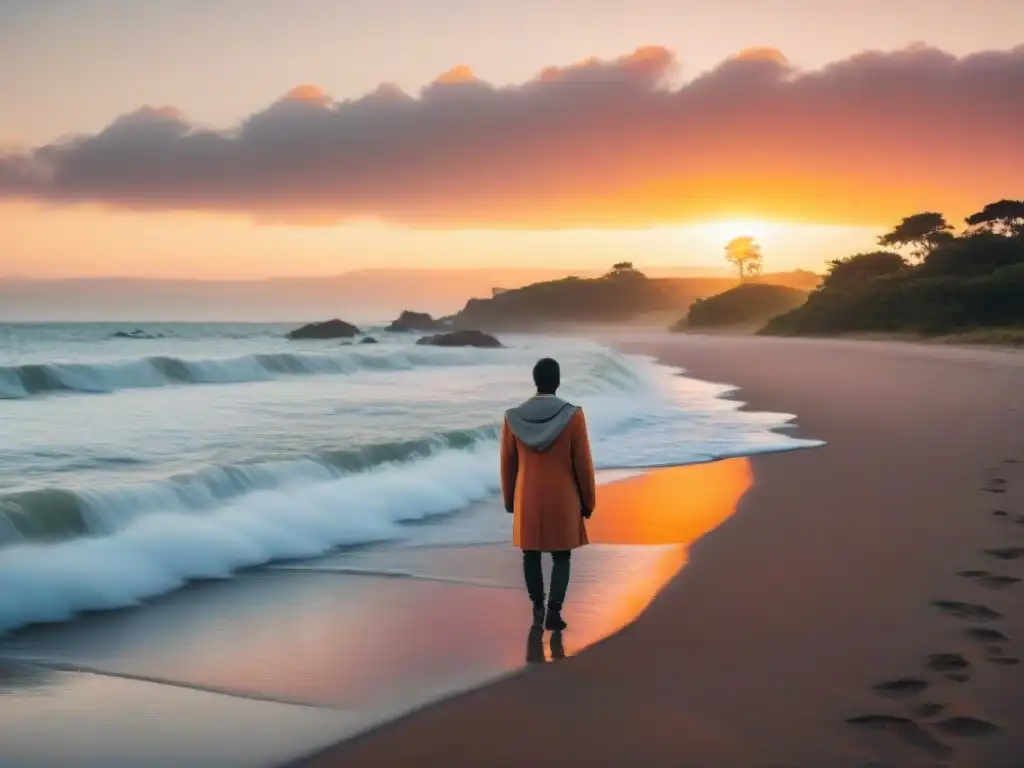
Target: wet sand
[282,661]
[861,608]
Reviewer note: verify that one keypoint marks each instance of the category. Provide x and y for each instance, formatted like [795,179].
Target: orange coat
[548,491]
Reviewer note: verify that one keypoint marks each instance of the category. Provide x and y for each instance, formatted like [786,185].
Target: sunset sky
[253,138]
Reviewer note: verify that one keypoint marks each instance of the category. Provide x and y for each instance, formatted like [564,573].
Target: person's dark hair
[547,376]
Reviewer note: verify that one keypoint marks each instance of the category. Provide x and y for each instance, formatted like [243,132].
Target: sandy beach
[862,607]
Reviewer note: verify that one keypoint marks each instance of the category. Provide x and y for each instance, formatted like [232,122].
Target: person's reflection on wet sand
[535,646]
[557,647]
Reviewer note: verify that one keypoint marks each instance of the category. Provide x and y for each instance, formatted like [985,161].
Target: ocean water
[129,467]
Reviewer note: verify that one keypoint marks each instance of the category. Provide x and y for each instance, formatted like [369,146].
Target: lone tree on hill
[1004,218]
[625,269]
[923,231]
[745,254]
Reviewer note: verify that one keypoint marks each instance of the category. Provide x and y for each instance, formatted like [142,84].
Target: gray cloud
[594,143]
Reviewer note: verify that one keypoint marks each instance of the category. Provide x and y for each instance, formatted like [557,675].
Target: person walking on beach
[547,480]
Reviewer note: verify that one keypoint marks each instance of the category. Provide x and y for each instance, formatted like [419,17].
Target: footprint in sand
[997,656]
[986,635]
[967,610]
[1000,512]
[995,485]
[1011,461]
[878,721]
[990,580]
[998,582]
[958,677]
[1006,553]
[903,686]
[1005,661]
[966,726]
[973,573]
[946,662]
[906,729]
[928,710]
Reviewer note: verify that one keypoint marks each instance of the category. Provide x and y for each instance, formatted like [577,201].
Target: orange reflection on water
[661,514]
[676,505]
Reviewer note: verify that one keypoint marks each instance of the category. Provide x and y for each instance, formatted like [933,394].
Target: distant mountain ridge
[365,295]
[628,296]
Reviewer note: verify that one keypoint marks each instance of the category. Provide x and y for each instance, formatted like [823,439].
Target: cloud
[597,143]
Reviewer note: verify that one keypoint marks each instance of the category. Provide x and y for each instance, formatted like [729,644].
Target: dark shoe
[538,614]
[554,620]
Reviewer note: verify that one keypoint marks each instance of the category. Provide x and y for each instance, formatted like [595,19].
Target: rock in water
[368,340]
[331,329]
[415,321]
[138,333]
[461,339]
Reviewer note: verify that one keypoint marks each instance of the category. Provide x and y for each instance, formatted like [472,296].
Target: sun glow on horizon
[724,230]
[787,244]
[83,241]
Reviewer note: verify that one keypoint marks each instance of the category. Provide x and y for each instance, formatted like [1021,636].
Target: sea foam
[160,552]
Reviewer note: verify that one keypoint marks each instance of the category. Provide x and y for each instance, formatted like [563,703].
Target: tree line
[928,280]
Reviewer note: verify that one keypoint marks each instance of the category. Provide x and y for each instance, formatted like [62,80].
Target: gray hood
[540,420]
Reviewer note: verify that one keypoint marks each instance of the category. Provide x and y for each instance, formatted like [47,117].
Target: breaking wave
[55,514]
[163,549]
[35,379]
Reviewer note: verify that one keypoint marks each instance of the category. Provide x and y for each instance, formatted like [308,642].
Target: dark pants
[535,577]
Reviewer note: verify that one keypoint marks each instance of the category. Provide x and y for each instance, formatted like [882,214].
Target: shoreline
[768,641]
[997,337]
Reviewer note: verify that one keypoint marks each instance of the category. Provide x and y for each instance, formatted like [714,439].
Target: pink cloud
[597,143]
